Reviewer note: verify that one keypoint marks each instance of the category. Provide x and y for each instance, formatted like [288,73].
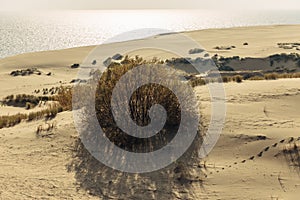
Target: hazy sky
[150,4]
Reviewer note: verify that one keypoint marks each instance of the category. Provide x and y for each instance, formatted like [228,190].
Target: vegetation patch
[12,120]
[24,100]
[26,72]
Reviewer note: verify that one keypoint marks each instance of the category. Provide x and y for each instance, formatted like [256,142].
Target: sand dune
[235,167]
[248,162]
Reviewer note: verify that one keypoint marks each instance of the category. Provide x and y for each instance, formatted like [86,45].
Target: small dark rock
[74,66]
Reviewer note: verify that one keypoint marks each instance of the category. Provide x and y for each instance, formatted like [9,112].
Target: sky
[149,4]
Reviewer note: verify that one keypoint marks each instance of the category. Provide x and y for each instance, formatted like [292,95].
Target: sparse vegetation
[64,102]
[271,76]
[224,47]
[49,91]
[64,98]
[23,100]
[195,81]
[284,57]
[292,45]
[238,78]
[9,121]
[26,72]
[225,79]
[45,130]
[256,78]
[12,120]
[29,106]
[292,155]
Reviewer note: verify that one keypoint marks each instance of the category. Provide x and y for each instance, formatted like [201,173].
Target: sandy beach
[248,162]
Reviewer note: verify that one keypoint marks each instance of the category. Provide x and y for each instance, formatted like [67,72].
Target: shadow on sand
[292,156]
[174,181]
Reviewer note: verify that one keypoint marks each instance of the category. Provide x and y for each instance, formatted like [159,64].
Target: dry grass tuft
[292,155]
[12,120]
[45,130]
[272,76]
[64,97]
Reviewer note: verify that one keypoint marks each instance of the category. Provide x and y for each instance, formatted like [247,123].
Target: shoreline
[238,28]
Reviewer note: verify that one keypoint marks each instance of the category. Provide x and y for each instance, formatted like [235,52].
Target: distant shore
[261,42]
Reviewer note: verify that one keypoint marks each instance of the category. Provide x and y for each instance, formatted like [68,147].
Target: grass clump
[9,121]
[237,78]
[64,98]
[225,79]
[272,76]
[196,81]
[12,120]
[24,100]
[256,78]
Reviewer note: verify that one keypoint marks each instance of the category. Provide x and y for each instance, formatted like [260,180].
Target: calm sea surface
[30,32]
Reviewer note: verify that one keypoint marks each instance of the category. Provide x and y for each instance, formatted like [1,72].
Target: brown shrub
[272,76]
[197,81]
[225,79]
[139,105]
[238,78]
[9,121]
[64,97]
[256,78]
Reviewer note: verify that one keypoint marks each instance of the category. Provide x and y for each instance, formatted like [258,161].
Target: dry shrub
[29,106]
[256,78]
[48,113]
[9,121]
[12,120]
[23,100]
[197,81]
[48,127]
[225,79]
[292,155]
[92,175]
[296,75]
[272,76]
[64,97]
[237,78]
[139,105]
[285,75]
